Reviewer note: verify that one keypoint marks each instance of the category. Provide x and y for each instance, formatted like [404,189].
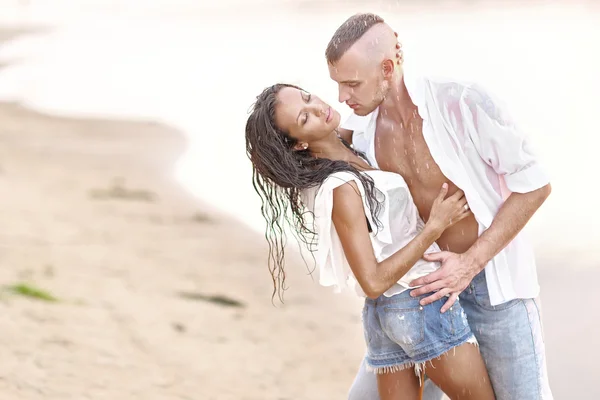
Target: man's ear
[387,67]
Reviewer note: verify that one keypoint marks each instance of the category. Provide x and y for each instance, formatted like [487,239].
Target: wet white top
[478,147]
[399,223]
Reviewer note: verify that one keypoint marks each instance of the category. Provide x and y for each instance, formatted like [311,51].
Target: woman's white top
[399,223]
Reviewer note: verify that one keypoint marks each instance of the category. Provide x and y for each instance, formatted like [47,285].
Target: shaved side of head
[377,44]
[367,34]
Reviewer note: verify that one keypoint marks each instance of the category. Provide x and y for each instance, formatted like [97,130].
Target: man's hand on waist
[455,274]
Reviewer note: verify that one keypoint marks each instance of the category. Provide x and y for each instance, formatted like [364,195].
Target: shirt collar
[415,85]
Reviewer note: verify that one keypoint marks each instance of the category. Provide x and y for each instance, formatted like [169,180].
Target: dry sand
[90,212]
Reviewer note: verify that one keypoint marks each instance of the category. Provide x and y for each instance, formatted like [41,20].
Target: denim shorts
[401,333]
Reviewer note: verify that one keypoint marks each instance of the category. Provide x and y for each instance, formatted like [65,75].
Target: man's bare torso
[402,149]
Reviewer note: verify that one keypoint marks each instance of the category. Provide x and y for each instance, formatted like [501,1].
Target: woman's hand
[445,212]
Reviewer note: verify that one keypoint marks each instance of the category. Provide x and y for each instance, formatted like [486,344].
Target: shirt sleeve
[500,143]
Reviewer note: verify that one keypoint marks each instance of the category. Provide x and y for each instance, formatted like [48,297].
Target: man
[436,131]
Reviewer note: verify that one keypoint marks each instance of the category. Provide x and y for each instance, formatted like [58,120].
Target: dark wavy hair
[280,174]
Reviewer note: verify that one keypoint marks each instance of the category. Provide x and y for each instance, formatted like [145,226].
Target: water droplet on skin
[427,165]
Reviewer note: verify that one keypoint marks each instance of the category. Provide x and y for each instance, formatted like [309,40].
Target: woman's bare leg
[400,385]
[461,374]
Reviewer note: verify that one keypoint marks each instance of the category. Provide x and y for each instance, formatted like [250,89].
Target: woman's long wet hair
[280,174]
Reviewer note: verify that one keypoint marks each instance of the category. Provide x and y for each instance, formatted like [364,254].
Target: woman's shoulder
[324,191]
[385,179]
[382,180]
[340,177]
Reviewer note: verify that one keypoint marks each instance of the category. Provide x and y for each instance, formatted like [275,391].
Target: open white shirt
[478,147]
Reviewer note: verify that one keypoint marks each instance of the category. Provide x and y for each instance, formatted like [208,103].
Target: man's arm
[505,149]
[501,144]
[510,220]
[458,270]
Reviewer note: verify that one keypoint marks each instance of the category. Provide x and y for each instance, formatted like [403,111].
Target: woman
[368,231]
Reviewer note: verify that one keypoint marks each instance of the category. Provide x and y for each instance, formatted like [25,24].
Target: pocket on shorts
[405,326]
[454,320]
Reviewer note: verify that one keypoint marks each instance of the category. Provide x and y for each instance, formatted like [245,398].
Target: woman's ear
[300,146]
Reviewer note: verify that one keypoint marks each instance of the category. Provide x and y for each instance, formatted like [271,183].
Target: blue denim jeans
[511,343]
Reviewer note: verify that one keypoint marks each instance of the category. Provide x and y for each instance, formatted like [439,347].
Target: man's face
[361,83]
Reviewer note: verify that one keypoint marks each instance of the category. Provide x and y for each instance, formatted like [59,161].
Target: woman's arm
[377,277]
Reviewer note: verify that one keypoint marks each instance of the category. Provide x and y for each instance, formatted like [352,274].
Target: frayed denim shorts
[400,333]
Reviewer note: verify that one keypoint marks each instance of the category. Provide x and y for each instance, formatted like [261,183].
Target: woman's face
[304,116]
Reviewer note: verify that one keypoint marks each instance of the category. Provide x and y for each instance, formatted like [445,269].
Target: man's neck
[397,104]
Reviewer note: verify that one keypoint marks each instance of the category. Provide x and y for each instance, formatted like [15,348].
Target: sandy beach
[163,296]
[159,297]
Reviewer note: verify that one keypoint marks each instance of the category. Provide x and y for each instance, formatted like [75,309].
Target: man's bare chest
[404,150]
